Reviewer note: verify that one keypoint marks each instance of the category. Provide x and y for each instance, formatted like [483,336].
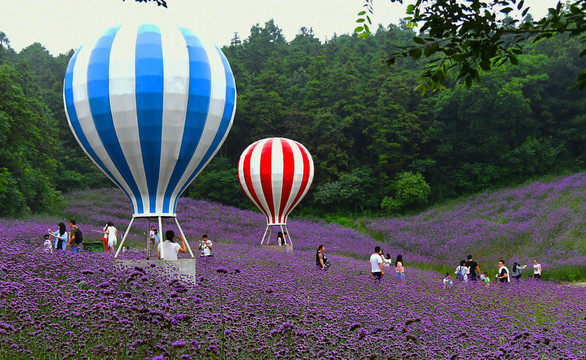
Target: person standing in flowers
[376,263]
[105,236]
[170,247]
[60,236]
[462,271]
[516,271]
[473,268]
[503,276]
[321,261]
[205,245]
[536,270]
[399,268]
[387,262]
[112,234]
[73,244]
[156,237]
[282,238]
[152,234]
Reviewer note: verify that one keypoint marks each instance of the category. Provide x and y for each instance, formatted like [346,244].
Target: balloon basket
[184,268]
[279,248]
[148,241]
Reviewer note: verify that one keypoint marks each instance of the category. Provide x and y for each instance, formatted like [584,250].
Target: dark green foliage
[365,125]
[462,39]
[356,191]
[219,182]
[408,192]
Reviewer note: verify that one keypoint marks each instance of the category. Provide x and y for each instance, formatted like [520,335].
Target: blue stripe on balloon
[99,99]
[74,120]
[197,109]
[149,104]
[224,124]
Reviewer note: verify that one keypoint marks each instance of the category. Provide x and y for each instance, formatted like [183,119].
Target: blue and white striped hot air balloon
[150,105]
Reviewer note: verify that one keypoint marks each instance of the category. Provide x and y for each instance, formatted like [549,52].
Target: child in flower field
[485,278]
[448,280]
[47,245]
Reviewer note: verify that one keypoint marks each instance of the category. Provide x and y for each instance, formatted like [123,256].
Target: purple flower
[179,343]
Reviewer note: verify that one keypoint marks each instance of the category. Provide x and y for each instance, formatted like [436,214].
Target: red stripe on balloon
[266,178]
[248,179]
[288,176]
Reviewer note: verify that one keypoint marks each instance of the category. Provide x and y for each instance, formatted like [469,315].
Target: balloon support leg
[148,247]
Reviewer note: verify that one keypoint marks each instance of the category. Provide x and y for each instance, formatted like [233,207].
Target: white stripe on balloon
[175,95]
[84,115]
[214,115]
[297,176]
[122,91]
[255,177]
[276,174]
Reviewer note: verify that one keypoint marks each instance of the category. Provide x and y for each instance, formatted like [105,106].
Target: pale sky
[61,25]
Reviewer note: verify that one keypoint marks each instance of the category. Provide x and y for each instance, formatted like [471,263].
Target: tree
[410,191]
[467,37]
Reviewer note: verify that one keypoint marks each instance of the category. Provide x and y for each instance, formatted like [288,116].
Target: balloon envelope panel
[275,174]
[150,105]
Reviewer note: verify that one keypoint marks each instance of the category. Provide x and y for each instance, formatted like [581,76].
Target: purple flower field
[543,221]
[254,303]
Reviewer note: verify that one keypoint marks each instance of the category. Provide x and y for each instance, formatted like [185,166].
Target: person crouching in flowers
[170,248]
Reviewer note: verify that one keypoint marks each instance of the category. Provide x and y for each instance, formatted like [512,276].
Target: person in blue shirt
[60,236]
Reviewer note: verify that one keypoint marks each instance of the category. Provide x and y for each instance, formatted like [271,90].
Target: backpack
[78,236]
[459,275]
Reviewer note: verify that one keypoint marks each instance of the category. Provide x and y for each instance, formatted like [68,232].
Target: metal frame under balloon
[269,228]
[160,222]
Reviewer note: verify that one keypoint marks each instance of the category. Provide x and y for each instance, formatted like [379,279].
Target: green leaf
[360,20]
[358,29]
[362,13]
[430,49]
[410,9]
[415,53]
[513,60]
[485,65]
[507,10]
[418,40]
[520,4]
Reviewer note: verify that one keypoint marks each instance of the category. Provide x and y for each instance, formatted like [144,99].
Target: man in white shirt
[503,276]
[170,247]
[205,245]
[376,261]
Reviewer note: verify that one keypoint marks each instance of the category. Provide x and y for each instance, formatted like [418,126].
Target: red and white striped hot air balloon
[275,174]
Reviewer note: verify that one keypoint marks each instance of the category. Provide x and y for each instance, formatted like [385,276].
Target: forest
[378,145]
